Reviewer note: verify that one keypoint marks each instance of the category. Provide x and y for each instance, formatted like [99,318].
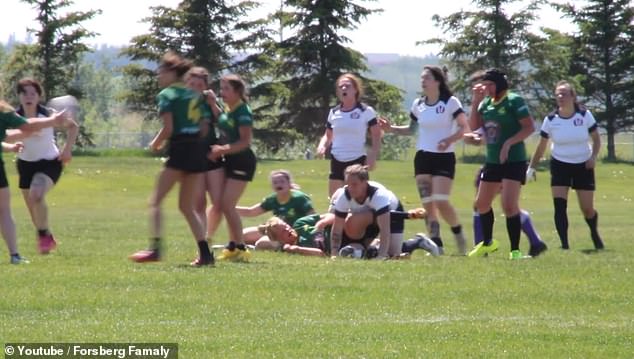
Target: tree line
[293,56]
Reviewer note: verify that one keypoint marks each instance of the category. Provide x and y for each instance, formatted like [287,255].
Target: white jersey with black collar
[378,199]
[349,129]
[435,122]
[570,136]
[39,145]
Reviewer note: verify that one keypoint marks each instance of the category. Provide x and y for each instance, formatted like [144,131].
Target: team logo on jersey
[578,121]
[440,109]
[491,129]
[355,115]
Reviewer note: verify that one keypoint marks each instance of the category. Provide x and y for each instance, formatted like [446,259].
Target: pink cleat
[46,243]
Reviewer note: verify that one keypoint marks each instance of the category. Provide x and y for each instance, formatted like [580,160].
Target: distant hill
[400,71]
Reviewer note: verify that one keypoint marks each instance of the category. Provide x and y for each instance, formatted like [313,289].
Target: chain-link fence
[624,144]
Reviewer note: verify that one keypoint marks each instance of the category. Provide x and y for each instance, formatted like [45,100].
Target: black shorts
[574,175]
[187,153]
[495,172]
[240,166]
[397,225]
[338,168]
[3,176]
[28,169]
[214,165]
[435,164]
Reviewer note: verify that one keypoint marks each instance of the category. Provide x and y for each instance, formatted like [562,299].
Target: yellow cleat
[481,250]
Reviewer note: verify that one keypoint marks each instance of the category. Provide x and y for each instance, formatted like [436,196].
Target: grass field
[575,304]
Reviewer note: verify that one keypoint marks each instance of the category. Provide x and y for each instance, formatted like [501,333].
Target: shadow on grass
[592,251]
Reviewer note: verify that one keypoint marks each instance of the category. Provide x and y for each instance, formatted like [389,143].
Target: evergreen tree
[211,33]
[60,45]
[298,97]
[492,37]
[56,56]
[605,57]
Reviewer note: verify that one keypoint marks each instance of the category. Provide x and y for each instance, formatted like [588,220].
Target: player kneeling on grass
[360,195]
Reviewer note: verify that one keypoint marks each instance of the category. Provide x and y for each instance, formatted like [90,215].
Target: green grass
[575,304]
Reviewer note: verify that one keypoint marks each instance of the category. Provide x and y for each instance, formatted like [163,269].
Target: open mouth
[279,188]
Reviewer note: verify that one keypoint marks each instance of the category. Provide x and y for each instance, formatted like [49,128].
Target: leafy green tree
[604,56]
[22,61]
[56,55]
[211,33]
[492,37]
[551,60]
[60,45]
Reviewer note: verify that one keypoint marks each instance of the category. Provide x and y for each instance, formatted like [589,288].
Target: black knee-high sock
[487,219]
[203,248]
[434,232]
[514,229]
[594,232]
[561,220]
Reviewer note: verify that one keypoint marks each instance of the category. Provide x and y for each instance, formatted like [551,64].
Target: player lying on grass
[310,235]
[286,202]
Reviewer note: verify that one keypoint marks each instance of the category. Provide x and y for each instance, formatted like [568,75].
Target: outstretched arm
[252,211]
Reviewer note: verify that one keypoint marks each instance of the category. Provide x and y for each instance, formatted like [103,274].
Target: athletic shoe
[235,255]
[146,255]
[243,255]
[17,259]
[46,243]
[538,249]
[480,250]
[516,254]
[201,263]
[427,244]
[228,254]
[598,243]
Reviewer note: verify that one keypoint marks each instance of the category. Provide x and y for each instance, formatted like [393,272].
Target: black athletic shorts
[187,153]
[28,169]
[495,172]
[435,164]
[241,165]
[338,168]
[3,176]
[574,175]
